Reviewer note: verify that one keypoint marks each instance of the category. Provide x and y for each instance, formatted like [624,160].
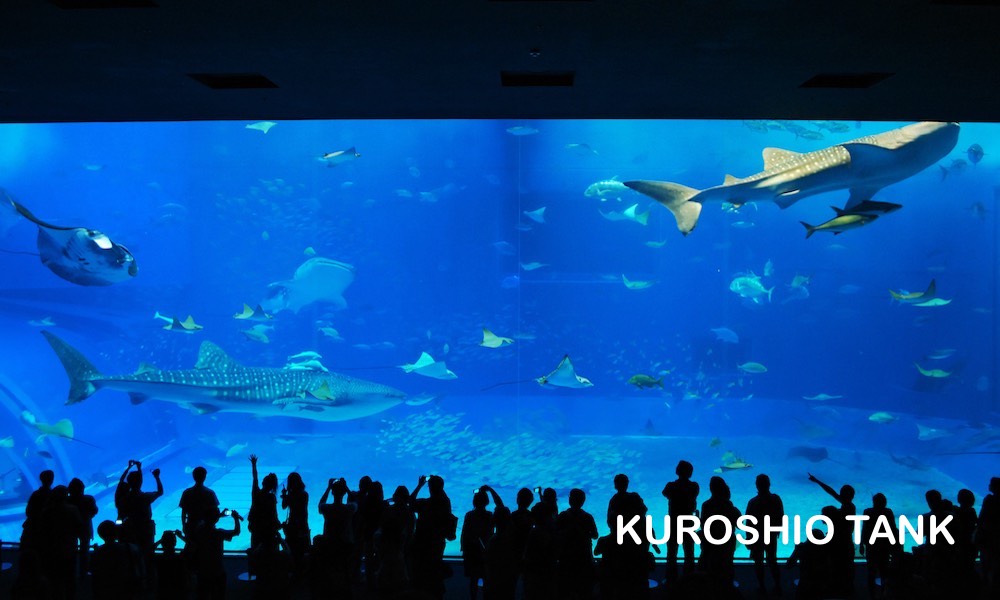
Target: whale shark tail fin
[677,199]
[81,372]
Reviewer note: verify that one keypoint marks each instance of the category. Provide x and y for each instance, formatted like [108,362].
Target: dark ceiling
[112,60]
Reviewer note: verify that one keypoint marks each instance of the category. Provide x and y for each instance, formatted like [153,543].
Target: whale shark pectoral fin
[676,197]
[204,409]
[859,195]
[787,198]
[136,398]
[775,156]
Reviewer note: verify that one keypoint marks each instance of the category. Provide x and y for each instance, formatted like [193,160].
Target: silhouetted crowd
[394,548]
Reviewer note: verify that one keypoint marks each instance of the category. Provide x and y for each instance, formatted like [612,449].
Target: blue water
[215,212]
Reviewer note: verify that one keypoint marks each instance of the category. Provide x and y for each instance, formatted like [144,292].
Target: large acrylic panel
[745,347]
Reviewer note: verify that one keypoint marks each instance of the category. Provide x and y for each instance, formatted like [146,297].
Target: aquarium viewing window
[513,303]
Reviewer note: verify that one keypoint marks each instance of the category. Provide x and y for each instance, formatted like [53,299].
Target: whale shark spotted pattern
[220,384]
[864,166]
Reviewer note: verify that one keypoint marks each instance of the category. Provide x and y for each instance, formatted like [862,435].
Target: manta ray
[77,254]
[864,166]
[316,280]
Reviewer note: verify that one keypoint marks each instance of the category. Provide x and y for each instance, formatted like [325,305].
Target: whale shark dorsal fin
[730,180]
[146,367]
[211,356]
[775,156]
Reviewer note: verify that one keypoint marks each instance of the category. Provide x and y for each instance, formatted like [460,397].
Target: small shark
[864,166]
[77,254]
[218,383]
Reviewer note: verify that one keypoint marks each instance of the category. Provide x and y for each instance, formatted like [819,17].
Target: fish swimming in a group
[218,383]
[77,254]
[316,280]
[864,166]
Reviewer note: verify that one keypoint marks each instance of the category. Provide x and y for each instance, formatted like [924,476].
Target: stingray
[77,254]
[428,367]
[316,280]
[262,126]
[564,376]
[174,324]
[537,215]
[492,340]
[253,314]
[810,453]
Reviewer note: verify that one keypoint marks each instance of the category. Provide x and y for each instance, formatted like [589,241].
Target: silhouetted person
[521,522]
[337,549]
[61,528]
[964,530]
[172,576]
[501,558]
[263,520]
[717,558]
[988,538]
[115,566]
[540,551]
[477,529]
[369,518]
[682,500]
[358,499]
[87,507]
[198,502]
[37,502]
[295,499]
[31,582]
[435,525]
[209,540]
[936,561]
[879,553]
[766,505]
[575,532]
[815,568]
[391,542]
[842,544]
[548,502]
[631,561]
[135,509]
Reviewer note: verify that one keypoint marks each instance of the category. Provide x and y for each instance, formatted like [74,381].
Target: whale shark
[218,383]
[864,166]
